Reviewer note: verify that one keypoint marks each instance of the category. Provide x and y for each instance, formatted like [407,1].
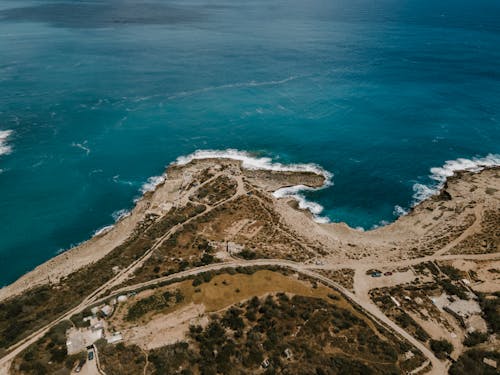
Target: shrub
[475,338]
[247,254]
[471,362]
[452,272]
[441,348]
[452,289]
[491,311]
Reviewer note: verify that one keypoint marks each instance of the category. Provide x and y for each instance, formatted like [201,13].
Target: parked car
[80,365]
[91,356]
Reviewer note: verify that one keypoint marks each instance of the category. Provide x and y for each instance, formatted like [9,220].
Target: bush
[471,362]
[452,289]
[247,254]
[233,320]
[441,348]
[491,311]
[207,259]
[475,338]
[452,272]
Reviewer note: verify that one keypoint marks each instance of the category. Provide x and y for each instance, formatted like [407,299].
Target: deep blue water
[100,95]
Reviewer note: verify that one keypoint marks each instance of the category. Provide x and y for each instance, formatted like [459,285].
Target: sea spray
[295,192]
[152,183]
[120,214]
[440,174]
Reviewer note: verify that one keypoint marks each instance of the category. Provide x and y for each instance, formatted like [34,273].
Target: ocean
[98,96]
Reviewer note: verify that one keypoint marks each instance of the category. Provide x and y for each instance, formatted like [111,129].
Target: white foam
[421,192]
[399,211]
[4,147]
[120,214]
[250,161]
[152,183]
[82,146]
[103,230]
[440,174]
[295,192]
[264,163]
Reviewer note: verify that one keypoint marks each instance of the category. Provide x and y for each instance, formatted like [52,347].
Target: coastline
[159,195]
[283,181]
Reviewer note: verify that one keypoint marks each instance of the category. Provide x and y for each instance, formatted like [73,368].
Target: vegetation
[48,355]
[471,362]
[156,302]
[452,272]
[23,314]
[475,338]
[442,348]
[215,191]
[171,359]
[319,337]
[120,359]
[406,321]
[490,305]
[453,289]
[248,254]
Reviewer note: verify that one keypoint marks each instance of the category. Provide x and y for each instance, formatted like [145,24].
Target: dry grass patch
[228,289]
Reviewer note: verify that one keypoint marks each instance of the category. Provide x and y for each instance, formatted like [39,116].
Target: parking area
[90,366]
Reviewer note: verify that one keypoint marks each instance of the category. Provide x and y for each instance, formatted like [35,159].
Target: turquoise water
[100,95]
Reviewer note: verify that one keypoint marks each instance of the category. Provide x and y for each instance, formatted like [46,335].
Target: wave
[151,183]
[103,230]
[295,192]
[399,211]
[249,161]
[440,174]
[4,147]
[120,214]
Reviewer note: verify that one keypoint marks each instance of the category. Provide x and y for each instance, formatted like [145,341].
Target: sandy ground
[166,329]
[487,271]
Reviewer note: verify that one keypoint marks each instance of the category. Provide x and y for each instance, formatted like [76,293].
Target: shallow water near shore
[96,97]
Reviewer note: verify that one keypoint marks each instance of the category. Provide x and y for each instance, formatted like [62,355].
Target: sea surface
[98,96]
